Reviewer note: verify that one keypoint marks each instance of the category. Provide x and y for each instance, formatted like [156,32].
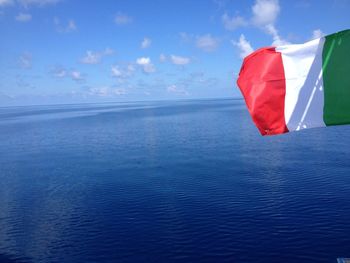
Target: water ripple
[177,182]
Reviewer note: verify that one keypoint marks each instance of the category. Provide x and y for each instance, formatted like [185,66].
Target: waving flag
[294,87]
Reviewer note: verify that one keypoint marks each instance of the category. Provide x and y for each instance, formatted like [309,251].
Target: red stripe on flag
[262,83]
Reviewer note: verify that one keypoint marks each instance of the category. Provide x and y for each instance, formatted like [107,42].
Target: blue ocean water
[185,181]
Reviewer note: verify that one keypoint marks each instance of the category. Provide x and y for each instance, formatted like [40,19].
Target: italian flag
[294,87]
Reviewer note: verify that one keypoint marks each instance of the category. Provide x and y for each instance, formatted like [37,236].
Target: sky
[74,51]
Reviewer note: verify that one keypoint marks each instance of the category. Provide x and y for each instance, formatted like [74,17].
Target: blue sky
[72,51]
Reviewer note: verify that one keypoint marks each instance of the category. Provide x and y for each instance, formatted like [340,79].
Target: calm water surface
[189,181]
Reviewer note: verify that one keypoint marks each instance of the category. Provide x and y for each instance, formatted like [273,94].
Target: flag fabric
[293,87]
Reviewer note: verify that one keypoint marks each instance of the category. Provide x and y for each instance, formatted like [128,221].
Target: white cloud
[162,58]
[244,46]
[277,40]
[231,23]
[69,27]
[185,37]
[40,3]
[119,92]
[264,16]
[25,60]
[108,51]
[28,3]
[92,57]
[60,73]
[146,43]
[116,72]
[6,3]
[130,68]
[76,75]
[143,61]
[177,60]
[122,19]
[207,42]
[146,64]
[265,12]
[119,72]
[317,33]
[106,91]
[4,96]
[177,90]
[101,91]
[23,17]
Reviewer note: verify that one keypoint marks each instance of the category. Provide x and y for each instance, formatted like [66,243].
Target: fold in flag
[294,87]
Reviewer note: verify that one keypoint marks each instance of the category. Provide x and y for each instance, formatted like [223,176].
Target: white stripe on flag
[304,84]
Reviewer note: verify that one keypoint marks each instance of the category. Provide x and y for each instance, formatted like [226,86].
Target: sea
[169,181]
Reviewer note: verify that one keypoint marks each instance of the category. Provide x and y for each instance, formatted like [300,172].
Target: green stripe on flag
[336,78]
